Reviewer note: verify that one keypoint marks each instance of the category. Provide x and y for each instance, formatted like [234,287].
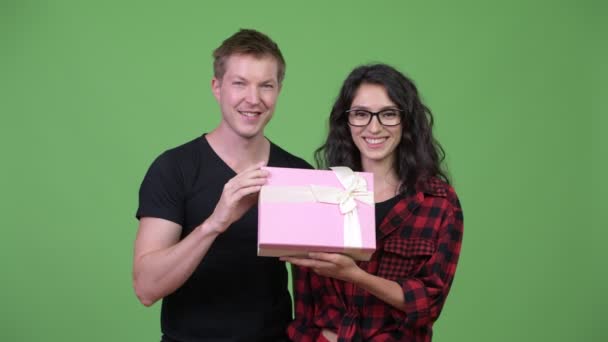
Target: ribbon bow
[355,188]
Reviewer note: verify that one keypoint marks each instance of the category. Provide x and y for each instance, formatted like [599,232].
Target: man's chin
[250,134]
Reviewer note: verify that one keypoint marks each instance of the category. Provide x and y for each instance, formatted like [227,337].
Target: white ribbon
[355,188]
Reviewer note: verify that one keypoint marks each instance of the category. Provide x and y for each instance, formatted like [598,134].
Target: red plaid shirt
[418,244]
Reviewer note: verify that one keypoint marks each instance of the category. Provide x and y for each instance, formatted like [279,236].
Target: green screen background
[92,92]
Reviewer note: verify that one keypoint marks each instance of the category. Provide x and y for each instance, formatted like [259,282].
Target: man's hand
[333,265]
[239,195]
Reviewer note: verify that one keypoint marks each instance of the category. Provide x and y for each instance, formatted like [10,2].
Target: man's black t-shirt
[233,295]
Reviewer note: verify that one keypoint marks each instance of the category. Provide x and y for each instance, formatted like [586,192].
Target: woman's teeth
[375,141]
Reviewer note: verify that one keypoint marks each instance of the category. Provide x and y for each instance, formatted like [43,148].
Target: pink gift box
[288,227]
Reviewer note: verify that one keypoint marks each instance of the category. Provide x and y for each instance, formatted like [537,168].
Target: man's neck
[236,151]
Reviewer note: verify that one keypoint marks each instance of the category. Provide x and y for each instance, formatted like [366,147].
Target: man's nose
[253,95]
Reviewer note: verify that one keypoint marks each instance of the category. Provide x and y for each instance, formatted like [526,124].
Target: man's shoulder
[192,146]
[180,158]
[287,159]
[182,153]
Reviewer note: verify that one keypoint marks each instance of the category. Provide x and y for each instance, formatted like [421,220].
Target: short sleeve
[161,193]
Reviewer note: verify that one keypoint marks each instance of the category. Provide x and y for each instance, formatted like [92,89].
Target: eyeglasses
[362,117]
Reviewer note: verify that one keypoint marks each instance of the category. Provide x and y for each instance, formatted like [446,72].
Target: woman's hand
[343,267]
[333,265]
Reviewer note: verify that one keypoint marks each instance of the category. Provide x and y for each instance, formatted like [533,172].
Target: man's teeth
[250,114]
[375,141]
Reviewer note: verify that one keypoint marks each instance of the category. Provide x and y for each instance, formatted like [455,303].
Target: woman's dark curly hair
[419,155]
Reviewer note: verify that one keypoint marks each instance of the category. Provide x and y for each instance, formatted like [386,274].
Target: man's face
[247,94]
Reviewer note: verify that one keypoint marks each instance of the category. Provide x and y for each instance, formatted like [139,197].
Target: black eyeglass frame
[371,116]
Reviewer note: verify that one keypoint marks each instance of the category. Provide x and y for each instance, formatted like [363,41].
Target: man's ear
[215,87]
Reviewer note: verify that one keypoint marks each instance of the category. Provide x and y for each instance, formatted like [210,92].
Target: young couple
[196,246]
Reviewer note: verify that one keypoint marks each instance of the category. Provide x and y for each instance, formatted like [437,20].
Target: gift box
[301,211]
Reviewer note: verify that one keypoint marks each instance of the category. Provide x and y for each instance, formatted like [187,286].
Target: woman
[378,124]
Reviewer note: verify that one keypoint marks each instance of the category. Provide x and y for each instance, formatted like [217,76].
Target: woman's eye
[389,114]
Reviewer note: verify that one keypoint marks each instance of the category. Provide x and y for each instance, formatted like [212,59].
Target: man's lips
[250,114]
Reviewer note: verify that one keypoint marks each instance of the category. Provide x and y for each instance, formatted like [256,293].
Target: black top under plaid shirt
[418,244]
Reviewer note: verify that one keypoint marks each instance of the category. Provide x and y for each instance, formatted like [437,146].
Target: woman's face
[376,142]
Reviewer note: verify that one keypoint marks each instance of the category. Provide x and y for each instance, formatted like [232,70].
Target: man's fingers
[245,183]
[242,192]
[256,166]
[234,185]
[257,173]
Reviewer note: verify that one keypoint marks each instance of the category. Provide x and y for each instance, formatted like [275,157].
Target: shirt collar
[431,187]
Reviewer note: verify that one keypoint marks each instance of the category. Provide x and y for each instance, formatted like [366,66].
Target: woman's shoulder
[437,189]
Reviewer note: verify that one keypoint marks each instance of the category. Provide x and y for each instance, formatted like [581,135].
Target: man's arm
[162,263]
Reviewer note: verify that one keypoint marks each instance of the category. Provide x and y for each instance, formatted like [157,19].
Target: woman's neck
[386,180]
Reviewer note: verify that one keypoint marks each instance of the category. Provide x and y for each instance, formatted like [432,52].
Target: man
[196,247]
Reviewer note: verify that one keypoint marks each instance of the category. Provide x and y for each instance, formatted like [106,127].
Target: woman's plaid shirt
[418,244]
